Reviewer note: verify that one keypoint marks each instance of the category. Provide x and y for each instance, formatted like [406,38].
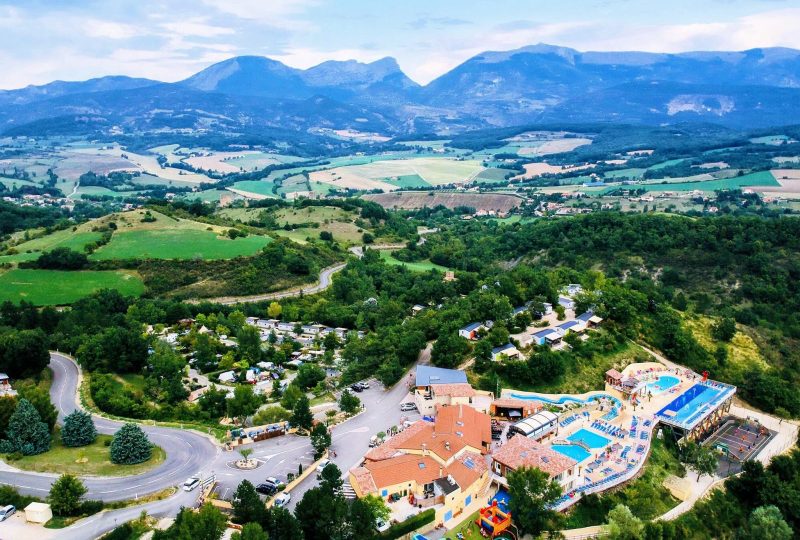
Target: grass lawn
[468,528]
[56,287]
[177,244]
[61,459]
[420,266]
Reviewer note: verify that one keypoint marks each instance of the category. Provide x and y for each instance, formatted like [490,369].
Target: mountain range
[540,83]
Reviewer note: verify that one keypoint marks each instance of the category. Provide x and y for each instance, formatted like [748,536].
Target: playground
[492,521]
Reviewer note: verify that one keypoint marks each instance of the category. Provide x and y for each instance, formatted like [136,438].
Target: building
[589,319]
[574,326]
[5,386]
[507,352]
[471,331]
[536,427]
[515,408]
[521,452]
[567,302]
[438,465]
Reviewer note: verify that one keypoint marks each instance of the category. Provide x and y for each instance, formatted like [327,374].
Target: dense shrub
[130,446]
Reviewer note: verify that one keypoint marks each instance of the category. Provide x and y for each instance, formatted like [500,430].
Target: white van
[6,512]
[191,483]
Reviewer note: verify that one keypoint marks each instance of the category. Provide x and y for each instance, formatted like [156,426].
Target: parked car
[381,525]
[266,489]
[282,499]
[363,385]
[322,464]
[355,388]
[408,406]
[274,481]
[191,483]
[6,512]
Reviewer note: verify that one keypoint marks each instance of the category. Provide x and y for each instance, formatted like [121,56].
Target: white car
[381,525]
[274,481]
[191,483]
[282,499]
[6,512]
[408,406]
[322,464]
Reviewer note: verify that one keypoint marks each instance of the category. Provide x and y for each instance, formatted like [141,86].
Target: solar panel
[469,463]
[421,465]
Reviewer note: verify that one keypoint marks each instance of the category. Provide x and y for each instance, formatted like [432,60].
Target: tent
[37,512]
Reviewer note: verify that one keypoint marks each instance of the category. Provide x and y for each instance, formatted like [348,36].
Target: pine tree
[130,445]
[26,432]
[65,495]
[301,414]
[78,430]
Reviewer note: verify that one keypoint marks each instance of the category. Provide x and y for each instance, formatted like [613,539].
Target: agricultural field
[55,287]
[409,200]
[74,240]
[763,178]
[177,244]
[379,174]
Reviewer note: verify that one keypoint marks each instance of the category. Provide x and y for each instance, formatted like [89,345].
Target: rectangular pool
[688,406]
[589,438]
[578,453]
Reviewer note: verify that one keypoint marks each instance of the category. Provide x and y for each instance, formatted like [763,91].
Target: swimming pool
[589,438]
[688,407]
[564,399]
[578,453]
[662,384]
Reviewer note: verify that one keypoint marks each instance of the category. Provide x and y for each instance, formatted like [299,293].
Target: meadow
[55,287]
[418,266]
[177,244]
[74,240]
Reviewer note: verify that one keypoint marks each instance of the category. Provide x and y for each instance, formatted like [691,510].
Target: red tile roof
[520,451]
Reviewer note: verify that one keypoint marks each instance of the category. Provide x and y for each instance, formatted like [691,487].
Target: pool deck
[630,431]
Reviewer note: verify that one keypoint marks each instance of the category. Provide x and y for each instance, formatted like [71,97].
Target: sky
[169,40]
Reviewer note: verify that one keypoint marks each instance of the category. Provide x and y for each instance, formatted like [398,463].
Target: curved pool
[564,399]
[662,384]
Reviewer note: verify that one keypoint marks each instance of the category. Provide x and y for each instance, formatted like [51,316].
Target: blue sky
[44,40]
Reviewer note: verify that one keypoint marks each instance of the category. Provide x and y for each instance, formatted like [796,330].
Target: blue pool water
[662,384]
[589,438]
[564,399]
[688,406]
[574,451]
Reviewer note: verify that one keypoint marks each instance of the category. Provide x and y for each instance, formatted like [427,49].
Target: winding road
[187,452]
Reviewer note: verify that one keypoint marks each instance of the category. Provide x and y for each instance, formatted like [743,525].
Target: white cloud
[196,27]
[277,13]
[98,28]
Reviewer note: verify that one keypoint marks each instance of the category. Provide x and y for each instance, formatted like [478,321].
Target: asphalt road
[189,453]
[323,283]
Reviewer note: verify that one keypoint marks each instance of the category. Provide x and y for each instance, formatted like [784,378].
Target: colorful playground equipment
[493,520]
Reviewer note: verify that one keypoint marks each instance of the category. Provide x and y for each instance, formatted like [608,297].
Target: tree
[39,396]
[767,523]
[532,493]
[330,479]
[322,515]
[8,404]
[247,505]
[280,524]
[207,524]
[725,329]
[251,531]
[320,439]
[274,310]
[244,402]
[308,375]
[62,258]
[246,453]
[704,461]
[483,356]
[250,343]
[349,402]
[301,413]
[65,495]
[361,520]
[78,429]
[26,432]
[290,396]
[623,525]
[130,445]
[165,376]
[23,353]
[271,415]
[449,349]
[214,402]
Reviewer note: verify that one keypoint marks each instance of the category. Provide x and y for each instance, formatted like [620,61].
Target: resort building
[521,452]
[471,331]
[438,464]
[515,408]
[505,352]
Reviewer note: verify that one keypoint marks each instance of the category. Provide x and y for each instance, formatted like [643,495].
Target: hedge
[410,525]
